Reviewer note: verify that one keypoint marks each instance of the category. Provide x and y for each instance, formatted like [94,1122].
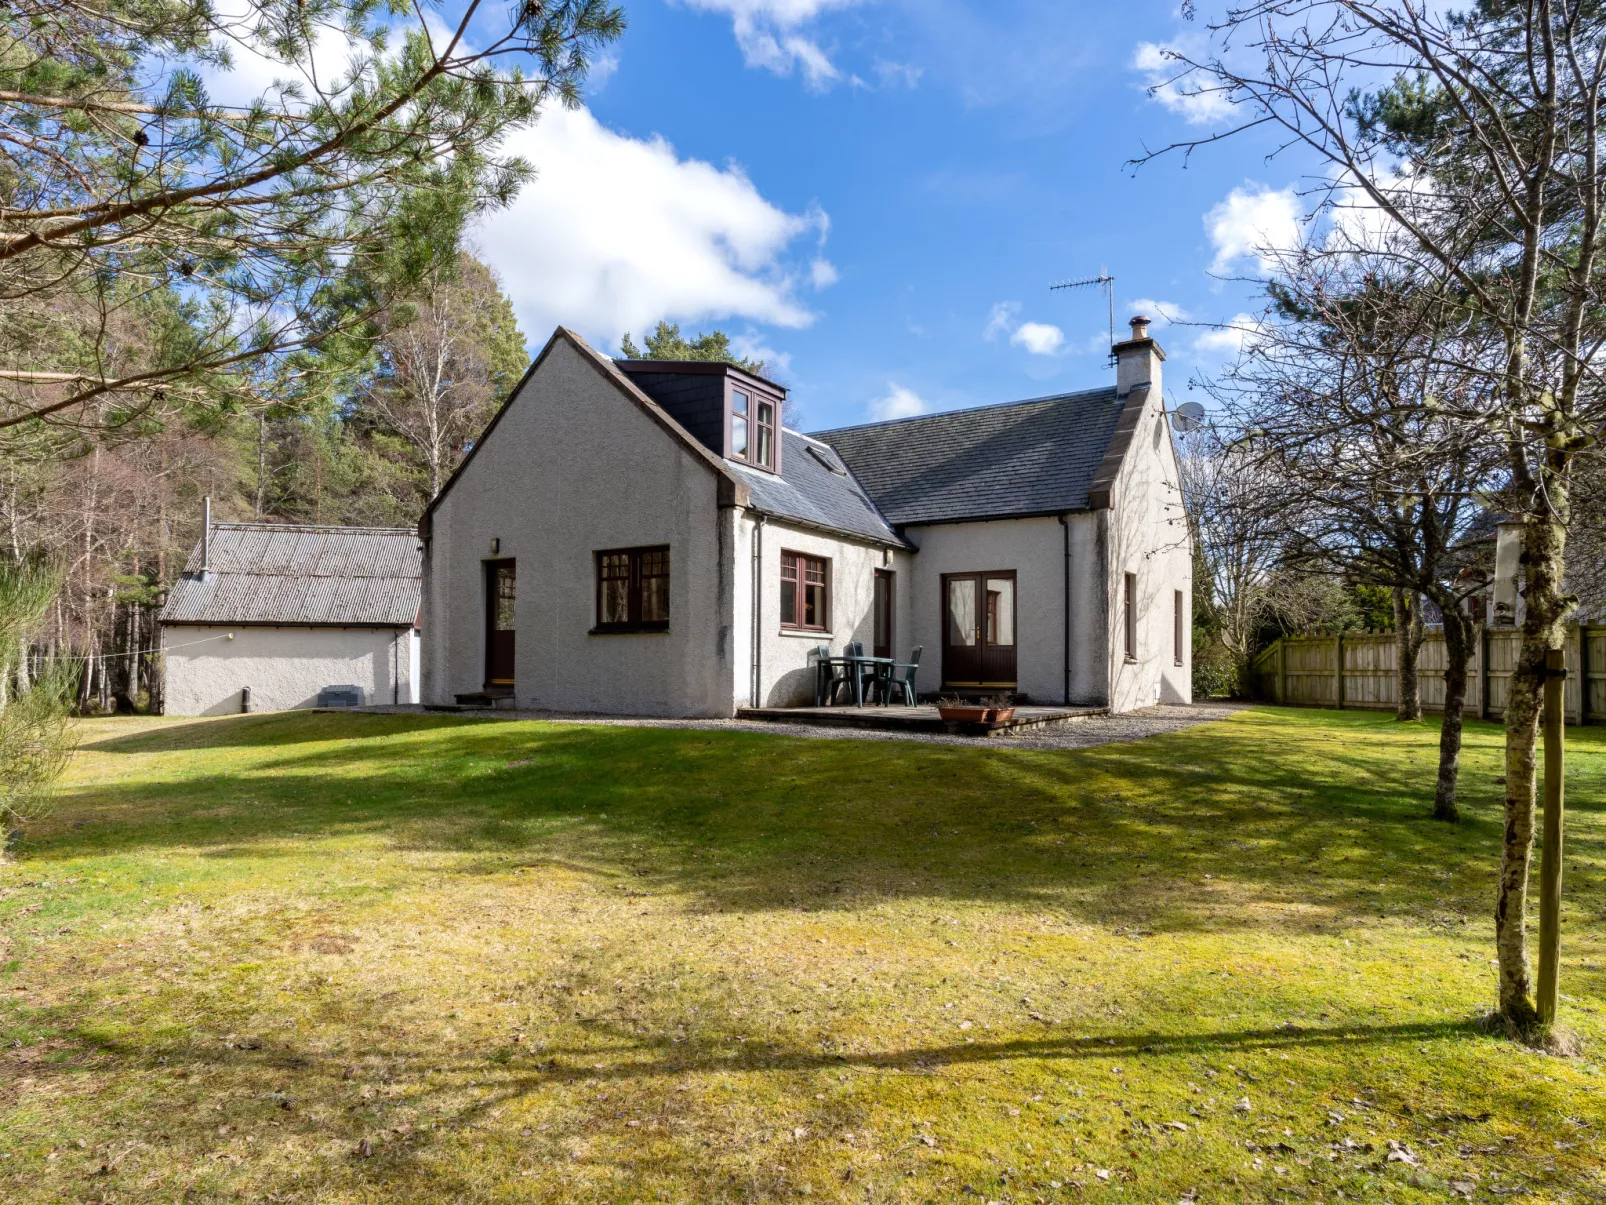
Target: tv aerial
[1107,282]
[1189,416]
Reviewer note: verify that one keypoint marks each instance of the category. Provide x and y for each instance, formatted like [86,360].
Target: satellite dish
[1188,417]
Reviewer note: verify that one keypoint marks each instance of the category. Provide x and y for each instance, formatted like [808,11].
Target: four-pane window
[804,581]
[633,590]
[753,428]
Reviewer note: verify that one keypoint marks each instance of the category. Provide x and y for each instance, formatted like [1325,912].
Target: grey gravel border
[1073,734]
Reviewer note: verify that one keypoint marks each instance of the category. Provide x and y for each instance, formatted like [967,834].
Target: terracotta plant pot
[1000,715]
[966,715]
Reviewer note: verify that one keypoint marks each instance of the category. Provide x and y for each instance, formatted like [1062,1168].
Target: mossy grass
[358,958]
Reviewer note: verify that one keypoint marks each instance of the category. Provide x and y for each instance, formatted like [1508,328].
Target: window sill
[807,633]
[1130,660]
[632,630]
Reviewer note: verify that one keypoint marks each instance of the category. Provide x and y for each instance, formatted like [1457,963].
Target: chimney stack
[206,536]
[1138,360]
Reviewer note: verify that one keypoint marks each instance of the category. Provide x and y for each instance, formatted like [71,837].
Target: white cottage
[647,537]
[267,617]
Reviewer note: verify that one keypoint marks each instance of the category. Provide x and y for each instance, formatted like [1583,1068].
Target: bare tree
[446,360]
[1476,134]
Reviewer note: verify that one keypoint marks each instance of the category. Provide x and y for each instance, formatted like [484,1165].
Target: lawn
[429,959]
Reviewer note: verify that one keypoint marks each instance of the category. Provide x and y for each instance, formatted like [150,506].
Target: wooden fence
[1305,671]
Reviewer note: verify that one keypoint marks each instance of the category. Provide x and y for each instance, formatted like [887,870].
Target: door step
[493,697]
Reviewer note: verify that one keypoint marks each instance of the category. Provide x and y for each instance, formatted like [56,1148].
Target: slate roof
[816,489]
[265,573]
[1034,457]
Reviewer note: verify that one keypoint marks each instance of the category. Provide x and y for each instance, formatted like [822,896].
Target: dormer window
[752,437]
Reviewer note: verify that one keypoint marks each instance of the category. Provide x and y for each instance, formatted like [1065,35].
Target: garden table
[856,665]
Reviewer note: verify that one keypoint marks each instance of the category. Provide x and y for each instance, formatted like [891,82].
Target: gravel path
[1077,734]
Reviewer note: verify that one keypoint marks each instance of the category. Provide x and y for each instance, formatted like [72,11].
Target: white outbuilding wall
[285,667]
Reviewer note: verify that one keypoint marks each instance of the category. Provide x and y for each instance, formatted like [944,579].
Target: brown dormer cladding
[697,395]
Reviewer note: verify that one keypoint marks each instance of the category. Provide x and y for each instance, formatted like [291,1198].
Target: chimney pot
[1140,326]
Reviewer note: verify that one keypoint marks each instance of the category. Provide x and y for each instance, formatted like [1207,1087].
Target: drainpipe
[1065,527]
[758,611]
[395,667]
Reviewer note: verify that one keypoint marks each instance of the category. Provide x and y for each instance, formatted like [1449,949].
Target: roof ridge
[915,418]
[345,528]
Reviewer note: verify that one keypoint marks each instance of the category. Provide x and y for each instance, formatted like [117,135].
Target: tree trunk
[1458,634]
[1543,550]
[1408,637]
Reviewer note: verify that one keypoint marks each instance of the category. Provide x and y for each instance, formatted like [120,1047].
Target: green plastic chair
[903,686]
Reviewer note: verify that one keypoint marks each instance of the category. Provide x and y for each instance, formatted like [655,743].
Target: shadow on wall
[793,689]
[1148,832]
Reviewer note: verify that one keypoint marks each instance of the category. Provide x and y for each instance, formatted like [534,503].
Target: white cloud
[1254,222]
[1163,313]
[898,75]
[617,232]
[999,318]
[823,274]
[1195,102]
[1039,338]
[750,345]
[770,35]
[1229,337]
[899,403]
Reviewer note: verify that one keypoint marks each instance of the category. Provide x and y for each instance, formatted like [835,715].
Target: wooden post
[1483,672]
[1550,868]
[1338,649]
[1282,671]
[1583,675]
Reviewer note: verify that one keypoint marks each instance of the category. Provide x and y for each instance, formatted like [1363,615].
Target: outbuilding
[269,617]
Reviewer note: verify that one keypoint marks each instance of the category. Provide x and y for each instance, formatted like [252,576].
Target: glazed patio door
[499,626]
[978,630]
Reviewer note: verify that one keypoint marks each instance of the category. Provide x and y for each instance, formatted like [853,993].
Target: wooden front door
[978,630]
[883,613]
[500,592]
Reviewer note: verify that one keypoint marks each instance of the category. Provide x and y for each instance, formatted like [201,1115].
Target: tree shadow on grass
[1302,811]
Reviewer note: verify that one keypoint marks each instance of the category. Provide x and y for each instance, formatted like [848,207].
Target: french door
[978,629]
[500,594]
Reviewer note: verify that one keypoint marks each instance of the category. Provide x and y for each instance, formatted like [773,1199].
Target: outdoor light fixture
[496,545]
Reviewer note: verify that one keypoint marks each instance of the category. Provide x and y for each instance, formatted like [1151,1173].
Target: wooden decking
[916,719]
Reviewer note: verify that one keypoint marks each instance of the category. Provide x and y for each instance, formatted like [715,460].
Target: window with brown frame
[633,590]
[1131,617]
[753,428]
[804,588]
[1176,626]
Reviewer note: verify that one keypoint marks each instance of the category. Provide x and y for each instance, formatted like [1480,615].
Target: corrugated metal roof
[1032,457]
[264,573]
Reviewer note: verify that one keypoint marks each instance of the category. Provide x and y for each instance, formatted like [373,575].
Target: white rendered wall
[574,467]
[285,667]
[1148,536]
[786,670]
[1035,550]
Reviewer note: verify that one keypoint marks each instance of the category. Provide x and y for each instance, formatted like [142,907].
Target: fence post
[1338,652]
[1483,672]
[1282,671]
[1583,674]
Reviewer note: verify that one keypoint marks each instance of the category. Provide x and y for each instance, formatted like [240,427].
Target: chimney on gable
[1138,360]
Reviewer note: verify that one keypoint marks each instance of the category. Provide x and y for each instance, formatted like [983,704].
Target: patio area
[923,718]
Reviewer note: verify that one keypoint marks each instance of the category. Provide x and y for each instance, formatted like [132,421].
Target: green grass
[402,959]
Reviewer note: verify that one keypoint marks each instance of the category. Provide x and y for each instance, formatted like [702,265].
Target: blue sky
[877,196]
